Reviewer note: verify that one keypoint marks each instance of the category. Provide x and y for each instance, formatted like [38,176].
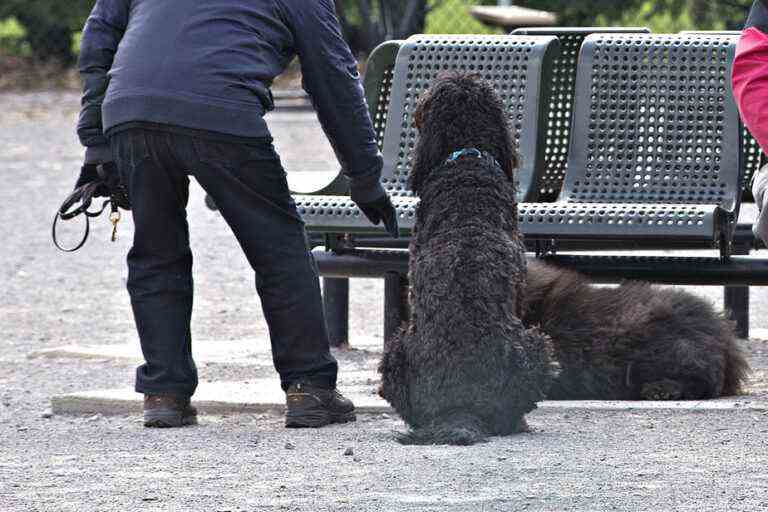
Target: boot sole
[317,419]
[167,419]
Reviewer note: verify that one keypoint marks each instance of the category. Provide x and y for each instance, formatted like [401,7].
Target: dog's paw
[456,436]
[662,390]
[458,430]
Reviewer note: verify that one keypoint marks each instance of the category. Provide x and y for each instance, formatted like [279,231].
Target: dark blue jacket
[208,65]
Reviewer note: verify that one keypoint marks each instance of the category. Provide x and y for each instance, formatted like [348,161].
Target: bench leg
[395,304]
[737,305]
[336,303]
[736,300]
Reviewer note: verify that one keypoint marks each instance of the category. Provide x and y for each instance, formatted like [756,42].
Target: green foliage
[659,15]
[12,37]
[452,17]
[49,25]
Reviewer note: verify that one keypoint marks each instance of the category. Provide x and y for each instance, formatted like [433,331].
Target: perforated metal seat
[655,145]
[514,64]
[338,214]
[558,101]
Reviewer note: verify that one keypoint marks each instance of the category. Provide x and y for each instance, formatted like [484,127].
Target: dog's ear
[510,159]
[420,113]
[423,151]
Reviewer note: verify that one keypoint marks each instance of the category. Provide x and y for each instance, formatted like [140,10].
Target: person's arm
[101,36]
[332,81]
[750,90]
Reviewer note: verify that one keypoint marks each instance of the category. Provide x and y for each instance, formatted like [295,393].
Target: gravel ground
[575,460]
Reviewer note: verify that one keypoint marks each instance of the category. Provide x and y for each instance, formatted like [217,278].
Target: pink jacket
[750,90]
[750,83]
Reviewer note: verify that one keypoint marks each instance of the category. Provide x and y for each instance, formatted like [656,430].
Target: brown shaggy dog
[634,341]
[465,367]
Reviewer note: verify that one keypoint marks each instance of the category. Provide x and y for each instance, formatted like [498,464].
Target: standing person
[750,89]
[178,88]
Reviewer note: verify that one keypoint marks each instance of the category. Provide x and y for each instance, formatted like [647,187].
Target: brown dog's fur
[634,341]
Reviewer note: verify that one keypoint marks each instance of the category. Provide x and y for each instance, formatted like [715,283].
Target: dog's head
[460,111]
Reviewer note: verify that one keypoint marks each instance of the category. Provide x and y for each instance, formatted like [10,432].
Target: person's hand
[381,210]
[88,174]
[110,185]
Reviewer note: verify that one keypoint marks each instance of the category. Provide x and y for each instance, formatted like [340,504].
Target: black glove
[382,209]
[109,177]
[88,174]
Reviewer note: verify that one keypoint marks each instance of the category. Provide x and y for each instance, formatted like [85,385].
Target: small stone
[355,459]
[501,459]
[95,417]
[47,414]
[149,498]
[384,416]
[289,446]
[349,451]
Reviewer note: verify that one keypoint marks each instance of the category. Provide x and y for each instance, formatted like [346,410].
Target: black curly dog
[465,367]
[635,341]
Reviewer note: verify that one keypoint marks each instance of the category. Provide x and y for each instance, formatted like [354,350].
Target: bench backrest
[559,101]
[515,65]
[379,71]
[752,157]
[655,122]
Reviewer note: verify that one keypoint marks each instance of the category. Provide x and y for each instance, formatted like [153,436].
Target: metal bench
[654,156]
[661,103]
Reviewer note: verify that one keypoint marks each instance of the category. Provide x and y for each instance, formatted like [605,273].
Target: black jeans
[248,183]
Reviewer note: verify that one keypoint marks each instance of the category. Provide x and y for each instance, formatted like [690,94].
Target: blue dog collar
[471,153]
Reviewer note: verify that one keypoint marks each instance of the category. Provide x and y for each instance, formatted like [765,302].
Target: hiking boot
[166,411]
[311,406]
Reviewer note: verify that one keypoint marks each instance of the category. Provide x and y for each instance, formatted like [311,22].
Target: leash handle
[56,240]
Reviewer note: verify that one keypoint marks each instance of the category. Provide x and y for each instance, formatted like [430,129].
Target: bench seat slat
[618,220]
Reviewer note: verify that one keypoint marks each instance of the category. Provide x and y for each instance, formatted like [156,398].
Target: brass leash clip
[114,218]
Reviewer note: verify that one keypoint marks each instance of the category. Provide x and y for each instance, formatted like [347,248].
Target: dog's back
[479,369]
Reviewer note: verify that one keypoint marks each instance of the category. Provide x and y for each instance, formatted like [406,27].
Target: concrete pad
[258,395]
[265,395]
[357,378]
[719,404]
[252,352]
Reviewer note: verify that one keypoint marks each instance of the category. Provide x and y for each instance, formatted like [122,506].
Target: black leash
[79,202]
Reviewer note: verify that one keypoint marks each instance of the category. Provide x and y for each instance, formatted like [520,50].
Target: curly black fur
[634,341]
[465,367]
